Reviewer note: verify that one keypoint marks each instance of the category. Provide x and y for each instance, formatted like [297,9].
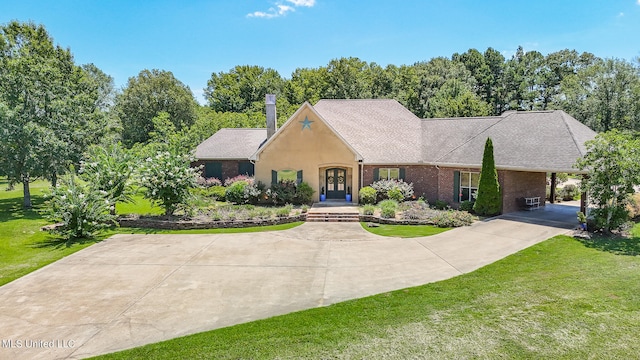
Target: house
[339,146]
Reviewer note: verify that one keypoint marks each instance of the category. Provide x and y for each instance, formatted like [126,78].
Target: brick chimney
[272,125]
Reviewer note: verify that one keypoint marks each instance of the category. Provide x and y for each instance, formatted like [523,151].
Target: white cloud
[310,3]
[281,9]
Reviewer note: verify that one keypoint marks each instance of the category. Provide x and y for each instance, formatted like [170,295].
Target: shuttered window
[388,174]
[213,169]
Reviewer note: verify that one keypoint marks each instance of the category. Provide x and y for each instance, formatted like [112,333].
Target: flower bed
[165,223]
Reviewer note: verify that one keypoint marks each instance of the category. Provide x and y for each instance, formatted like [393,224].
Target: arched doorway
[335,183]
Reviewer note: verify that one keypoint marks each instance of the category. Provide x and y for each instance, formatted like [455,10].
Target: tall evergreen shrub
[489,197]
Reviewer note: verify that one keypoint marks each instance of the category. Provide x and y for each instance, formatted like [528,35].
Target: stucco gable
[304,119]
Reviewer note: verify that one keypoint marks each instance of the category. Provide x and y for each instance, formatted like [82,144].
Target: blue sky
[194,38]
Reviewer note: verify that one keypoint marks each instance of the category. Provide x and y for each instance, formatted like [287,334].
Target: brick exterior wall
[423,177]
[437,183]
[518,184]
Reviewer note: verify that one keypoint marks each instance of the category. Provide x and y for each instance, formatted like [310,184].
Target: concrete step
[333,217]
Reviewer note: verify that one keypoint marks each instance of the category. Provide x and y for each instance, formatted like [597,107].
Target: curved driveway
[131,290]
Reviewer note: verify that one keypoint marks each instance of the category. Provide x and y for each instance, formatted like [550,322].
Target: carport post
[552,196]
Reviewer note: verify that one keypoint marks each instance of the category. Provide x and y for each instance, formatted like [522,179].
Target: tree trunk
[27,193]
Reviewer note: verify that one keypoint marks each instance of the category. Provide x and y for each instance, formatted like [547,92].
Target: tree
[148,94]
[48,111]
[489,197]
[613,162]
[242,89]
[455,99]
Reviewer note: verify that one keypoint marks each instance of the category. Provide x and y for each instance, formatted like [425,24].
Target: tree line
[52,110]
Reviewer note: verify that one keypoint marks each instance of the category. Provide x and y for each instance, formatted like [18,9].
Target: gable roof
[532,140]
[256,155]
[231,144]
[381,130]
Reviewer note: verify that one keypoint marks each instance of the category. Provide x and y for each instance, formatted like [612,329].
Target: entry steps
[333,211]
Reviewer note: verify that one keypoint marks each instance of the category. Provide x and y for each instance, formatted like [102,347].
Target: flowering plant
[81,210]
[167,178]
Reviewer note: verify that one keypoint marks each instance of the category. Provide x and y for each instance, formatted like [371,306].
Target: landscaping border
[173,224]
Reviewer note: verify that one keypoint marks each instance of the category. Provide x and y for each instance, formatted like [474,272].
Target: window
[469,185]
[281,175]
[388,173]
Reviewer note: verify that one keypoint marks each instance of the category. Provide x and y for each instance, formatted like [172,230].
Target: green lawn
[23,247]
[404,231]
[560,299]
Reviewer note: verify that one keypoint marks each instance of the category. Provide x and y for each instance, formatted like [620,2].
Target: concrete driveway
[131,290]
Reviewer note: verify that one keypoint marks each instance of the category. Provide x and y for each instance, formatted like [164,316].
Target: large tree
[147,95]
[242,89]
[613,162]
[49,113]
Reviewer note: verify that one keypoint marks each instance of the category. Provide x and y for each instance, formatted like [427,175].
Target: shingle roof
[385,132]
[380,130]
[532,140]
[231,144]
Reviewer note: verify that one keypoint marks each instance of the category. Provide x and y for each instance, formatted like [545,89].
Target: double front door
[336,179]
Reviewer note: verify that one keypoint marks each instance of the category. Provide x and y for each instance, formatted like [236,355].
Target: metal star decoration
[306,123]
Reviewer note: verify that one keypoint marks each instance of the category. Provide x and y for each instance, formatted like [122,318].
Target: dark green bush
[304,194]
[283,192]
[466,205]
[441,205]
[368,195]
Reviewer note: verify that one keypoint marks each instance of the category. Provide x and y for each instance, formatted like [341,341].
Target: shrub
[452,218]
[569,192]
[388,213]
[395,194]
[81,210]
[284,211]
[208,182]
[489,196]
[441,205]
[217,192]
[368,209]
[304,208]
[388,209]
[368,195]
[283,192]
[466,205]
[383,187]
[230,181]
[304,193]
[167,178]
[235,193]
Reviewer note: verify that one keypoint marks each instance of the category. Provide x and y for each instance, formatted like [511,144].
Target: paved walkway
[131,290]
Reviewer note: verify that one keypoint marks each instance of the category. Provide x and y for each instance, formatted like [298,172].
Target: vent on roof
[271,115]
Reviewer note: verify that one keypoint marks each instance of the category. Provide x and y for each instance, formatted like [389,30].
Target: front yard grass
[403,231]
[557,299]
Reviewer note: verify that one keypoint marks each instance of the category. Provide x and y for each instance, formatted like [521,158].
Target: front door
[336,183]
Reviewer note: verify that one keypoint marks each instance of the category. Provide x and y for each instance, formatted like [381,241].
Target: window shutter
[274,177]
[456,186]
[402,173]
[299,177]
[213,169]
[376,174]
